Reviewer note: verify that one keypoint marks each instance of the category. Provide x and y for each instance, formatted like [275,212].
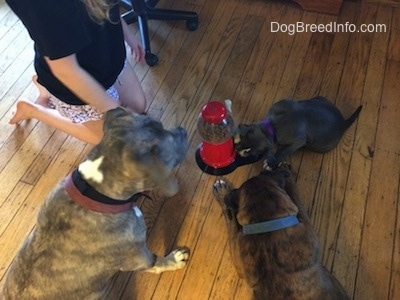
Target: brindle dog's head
[264,197]
[136,154]
[253,140]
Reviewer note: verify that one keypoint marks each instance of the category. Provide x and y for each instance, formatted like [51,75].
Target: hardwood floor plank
[15,69]
[13,136]
[373,276]
[243,291]
[350,232]
[10,206]
[10,28]
[4,9]
[338,53]
[394,291]
[355,66]
[271,12]
[335,166]
[21,160]
[274,66]
[394,45]
[315,62]
[241,50]
[51,147]
[295,61]
[226,279]
[390,3]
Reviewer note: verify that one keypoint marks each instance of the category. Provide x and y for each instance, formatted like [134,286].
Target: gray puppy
[89,228]
[272,242]
[290,125]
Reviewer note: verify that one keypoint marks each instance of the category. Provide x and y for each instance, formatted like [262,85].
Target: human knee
[138,104]
[141,105]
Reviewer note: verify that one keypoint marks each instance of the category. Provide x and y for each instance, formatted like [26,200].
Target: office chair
[140,11]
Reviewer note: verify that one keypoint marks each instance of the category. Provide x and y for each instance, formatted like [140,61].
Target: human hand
[137,50]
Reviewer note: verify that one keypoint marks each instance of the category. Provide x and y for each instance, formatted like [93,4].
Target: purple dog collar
[266,123]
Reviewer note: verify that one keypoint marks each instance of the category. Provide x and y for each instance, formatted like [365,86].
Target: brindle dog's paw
[269,167]
[266,166]
[180,257]
[284,165]
[221,188]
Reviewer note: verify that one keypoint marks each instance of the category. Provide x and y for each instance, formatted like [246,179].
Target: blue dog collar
[272,225]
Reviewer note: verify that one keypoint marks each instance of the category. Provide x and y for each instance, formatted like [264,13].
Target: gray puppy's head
[136,154]
[253,140]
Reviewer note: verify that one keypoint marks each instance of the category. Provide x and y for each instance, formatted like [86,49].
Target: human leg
[89,131]
[44,95]
[130,91]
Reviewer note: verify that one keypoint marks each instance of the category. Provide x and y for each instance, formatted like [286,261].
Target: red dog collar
[84,195]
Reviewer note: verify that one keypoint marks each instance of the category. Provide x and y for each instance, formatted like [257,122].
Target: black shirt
[63,27]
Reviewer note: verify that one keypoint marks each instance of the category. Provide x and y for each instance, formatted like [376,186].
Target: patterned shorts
[84,113]
[81,113]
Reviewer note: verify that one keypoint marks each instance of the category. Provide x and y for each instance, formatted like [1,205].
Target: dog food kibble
[215,124]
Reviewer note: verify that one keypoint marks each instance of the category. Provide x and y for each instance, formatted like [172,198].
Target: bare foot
[43,98]
[24,112]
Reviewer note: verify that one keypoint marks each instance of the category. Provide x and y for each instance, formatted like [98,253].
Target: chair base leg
[141,13]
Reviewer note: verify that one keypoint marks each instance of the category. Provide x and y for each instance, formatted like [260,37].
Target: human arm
[80,82]
[137,49]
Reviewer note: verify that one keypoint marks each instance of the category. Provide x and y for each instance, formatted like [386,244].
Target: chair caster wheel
[192,25]
[151,59]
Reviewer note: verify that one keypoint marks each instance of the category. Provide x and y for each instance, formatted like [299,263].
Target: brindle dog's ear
[115,113]
[119,116]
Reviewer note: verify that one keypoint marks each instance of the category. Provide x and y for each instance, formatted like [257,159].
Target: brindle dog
[290,125]
[272,243]
[88,227]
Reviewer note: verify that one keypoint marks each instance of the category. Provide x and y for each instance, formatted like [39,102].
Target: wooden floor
[351,193]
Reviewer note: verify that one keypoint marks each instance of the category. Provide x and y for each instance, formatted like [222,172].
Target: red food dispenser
[216,154]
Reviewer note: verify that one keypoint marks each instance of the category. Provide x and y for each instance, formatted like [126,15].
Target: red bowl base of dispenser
[213,170]
[219,171]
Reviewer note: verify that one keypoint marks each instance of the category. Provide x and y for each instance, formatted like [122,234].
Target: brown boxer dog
[272,243]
